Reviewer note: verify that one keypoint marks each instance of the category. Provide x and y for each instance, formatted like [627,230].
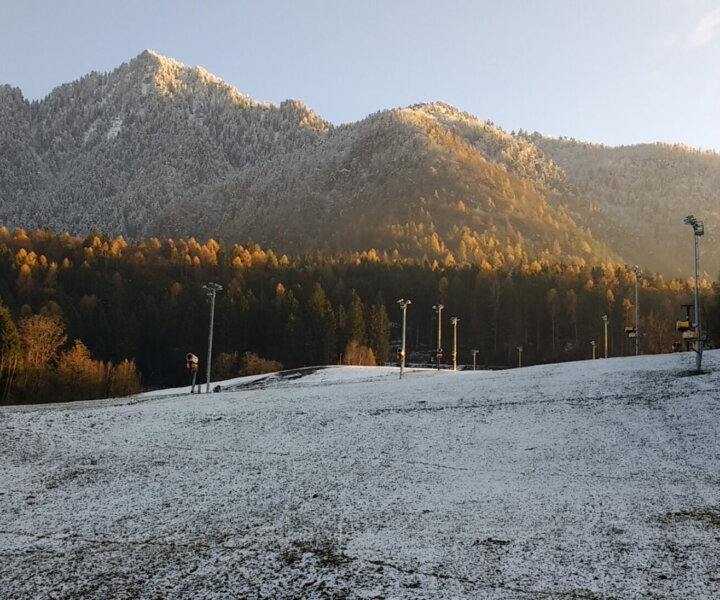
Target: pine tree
[379,331]
[322,332]
[355,325]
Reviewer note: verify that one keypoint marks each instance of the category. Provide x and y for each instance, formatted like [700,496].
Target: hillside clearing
[596,479]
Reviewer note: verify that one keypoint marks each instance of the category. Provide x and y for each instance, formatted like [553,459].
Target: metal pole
[454,321]
[438,309]
[475,353]
[519,349]
[636,270]
[593,344]
[698,230]
[402,357]
[605,320]
[212,289]
[698,325]
[403,306]
[210,341]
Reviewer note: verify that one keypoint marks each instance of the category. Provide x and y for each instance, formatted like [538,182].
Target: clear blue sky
[608,71]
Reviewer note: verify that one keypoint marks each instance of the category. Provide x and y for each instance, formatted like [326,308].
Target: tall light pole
[605,321]
[454,321]
[438,354]
[403,306]
[636,270]
[211,289]
[698,230]
[475,353]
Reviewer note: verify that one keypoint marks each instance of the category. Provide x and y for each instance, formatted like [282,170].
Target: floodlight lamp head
[697,226]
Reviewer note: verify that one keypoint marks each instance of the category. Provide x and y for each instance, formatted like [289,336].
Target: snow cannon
[191,361]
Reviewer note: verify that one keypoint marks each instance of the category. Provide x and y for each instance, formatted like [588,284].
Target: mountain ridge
[158,148]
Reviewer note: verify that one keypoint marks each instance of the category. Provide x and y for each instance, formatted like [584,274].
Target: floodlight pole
[636,270]
[211,289]
[698,230]
[605,321]
[403,306]
[438,354]
[454,322]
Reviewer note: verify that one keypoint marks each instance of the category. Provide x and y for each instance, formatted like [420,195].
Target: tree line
[38,365]
[113,312]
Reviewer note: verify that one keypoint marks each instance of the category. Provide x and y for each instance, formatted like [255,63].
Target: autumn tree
[359,355]
[78,376]
[124,379]
[41,338]
[10,353]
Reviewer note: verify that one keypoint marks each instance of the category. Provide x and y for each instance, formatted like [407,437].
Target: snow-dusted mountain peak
[156,147]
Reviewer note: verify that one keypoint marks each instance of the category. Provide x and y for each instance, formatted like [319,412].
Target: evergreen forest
[96,316]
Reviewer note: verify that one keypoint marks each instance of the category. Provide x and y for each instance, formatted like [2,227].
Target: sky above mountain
[612,72]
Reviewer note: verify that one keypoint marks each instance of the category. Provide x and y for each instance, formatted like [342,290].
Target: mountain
[647,190]
[156,148]
[117,149]
[427,181]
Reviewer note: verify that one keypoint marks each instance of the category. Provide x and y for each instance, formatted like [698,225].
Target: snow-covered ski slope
[596,479]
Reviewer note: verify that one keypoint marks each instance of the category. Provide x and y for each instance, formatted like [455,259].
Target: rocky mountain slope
[158,148]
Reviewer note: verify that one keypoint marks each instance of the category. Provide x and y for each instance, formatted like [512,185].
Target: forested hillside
[144,304]
[647,190]
[158,148]
[111,151]
[401,182]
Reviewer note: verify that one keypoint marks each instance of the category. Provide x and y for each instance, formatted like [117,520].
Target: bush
[226,366]
[355,354]
[124,379]
[252,364]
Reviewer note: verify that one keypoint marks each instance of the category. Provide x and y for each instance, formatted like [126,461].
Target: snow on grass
[596,479]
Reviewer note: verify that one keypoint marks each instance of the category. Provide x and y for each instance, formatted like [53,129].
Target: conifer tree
[379,331]
[355,325]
